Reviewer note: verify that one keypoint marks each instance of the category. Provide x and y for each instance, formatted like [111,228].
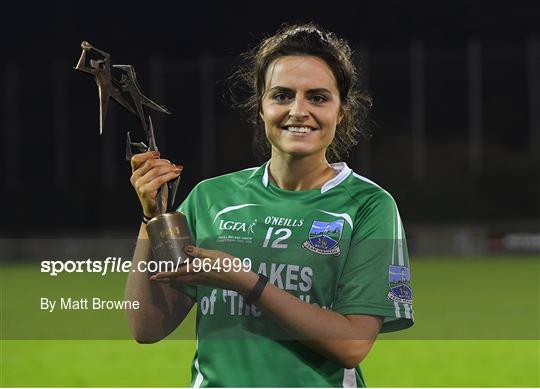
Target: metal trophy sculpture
[168,233]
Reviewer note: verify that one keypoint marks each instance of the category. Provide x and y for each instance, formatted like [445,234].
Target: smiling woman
[335,58]
[301,107]
[328,260]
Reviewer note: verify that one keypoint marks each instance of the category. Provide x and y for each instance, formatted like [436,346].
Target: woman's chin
[299,152]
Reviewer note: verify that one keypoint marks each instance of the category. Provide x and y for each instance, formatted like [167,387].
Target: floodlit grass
[391,363]
[452,301]
[457,363]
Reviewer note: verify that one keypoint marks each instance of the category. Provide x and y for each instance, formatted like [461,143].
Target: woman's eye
[281,97]
[318,99]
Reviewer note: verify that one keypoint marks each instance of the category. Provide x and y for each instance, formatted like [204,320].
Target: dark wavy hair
[310,40]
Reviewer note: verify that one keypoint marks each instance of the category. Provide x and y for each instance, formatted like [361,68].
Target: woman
[329,266]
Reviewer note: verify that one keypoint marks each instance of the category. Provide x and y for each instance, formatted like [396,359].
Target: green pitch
[455,298]
[166,364]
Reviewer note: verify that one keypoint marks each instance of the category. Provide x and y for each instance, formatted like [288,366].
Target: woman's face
[300,106]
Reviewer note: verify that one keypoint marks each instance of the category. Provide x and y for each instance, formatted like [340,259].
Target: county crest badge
[399,278]
[324,237]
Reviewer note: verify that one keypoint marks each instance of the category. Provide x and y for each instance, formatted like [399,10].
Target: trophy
[168,233]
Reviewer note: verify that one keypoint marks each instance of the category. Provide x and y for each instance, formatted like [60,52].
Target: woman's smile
[298,131]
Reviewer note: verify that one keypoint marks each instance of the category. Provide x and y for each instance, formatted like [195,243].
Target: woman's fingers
[160,170]
[152,169]
[181,276]
[161,280]
[197,276]
[149,165]
[138,159]
[199,252]
[167,275]
[151,187]
[149,174]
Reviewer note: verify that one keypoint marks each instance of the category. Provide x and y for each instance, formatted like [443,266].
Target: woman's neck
[292,173]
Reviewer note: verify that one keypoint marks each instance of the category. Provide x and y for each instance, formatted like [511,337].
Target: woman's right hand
[149,173]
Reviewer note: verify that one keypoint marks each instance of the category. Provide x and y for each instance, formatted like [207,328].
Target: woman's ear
[341,114]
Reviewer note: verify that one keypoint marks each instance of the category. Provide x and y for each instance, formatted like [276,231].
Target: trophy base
[169,234]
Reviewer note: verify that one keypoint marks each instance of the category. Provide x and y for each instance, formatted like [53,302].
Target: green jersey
[341,247]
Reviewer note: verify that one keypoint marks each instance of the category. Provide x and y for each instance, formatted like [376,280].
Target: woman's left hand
[209,274]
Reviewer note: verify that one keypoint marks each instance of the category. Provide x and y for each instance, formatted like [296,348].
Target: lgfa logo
[229,225]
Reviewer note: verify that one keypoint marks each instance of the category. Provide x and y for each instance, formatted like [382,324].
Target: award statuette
[168,233]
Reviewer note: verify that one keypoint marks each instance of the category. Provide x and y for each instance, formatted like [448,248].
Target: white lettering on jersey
[283,221]
[305,274]
[306,298]
[275,275]
[237,306]
[292,275]
[262,269]
[208,303]
[232,226]
[232,294]
[286,276]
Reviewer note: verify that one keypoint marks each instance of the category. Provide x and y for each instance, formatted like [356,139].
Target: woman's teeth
[298,129]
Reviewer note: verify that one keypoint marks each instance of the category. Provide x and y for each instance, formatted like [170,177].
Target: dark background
[456,88]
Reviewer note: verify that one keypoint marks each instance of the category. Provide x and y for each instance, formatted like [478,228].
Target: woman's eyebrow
[310,91]
[280,89]
[319,90]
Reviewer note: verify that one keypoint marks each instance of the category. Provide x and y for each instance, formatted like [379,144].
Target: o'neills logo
[283,221]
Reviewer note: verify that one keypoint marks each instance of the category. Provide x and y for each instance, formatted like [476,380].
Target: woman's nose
[298,110]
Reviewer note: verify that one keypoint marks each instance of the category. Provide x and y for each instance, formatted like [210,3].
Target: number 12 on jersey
[278,236]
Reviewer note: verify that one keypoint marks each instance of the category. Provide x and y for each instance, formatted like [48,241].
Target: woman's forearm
[162,308]
[344,339]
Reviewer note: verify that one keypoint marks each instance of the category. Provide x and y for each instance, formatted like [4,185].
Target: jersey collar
[341,169]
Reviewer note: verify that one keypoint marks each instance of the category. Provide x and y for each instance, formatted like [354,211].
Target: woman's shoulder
[230,181]
[367,191]
[374,203]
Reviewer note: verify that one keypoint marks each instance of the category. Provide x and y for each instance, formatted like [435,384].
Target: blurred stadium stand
[456,140]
